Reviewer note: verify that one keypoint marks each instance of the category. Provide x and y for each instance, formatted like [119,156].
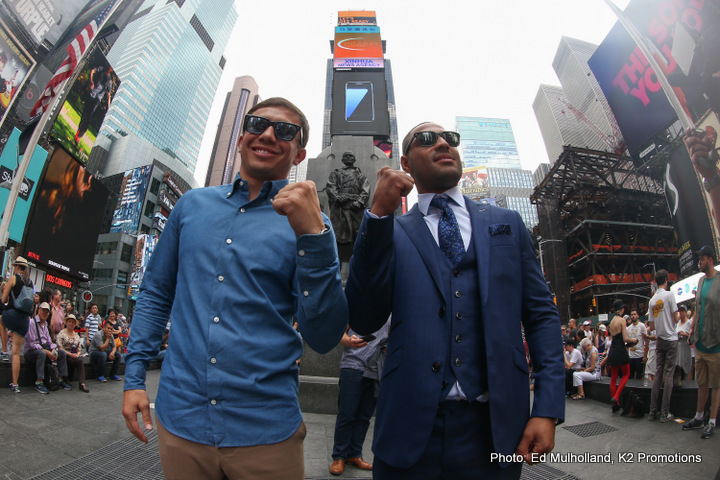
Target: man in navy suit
[461,280]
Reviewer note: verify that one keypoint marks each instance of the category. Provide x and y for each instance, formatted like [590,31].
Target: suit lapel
[479,216]
[414,225]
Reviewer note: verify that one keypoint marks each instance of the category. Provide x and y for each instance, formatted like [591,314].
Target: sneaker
[4,357]
[101,379]
[707,433]
[653,415]
[116,378]
[40,387]
[694,423]
[64,385]
[666,417]
[14,388]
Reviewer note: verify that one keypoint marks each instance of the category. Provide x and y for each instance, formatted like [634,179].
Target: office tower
[489,151]
[487,142]
[224,160]
[169,59]
[558,125]
[540,173]
[584,95]
[341,72]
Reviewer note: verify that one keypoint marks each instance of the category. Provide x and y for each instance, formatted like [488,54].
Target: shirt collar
[454,193]
[269,189]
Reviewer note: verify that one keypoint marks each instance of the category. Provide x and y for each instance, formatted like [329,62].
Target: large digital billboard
[474,182]
[9,161]
[357,17]
[15,63]
[358,47]
[46,20]
[85,106]
[128,212]
[66,218]
[630,84]
[143,251]
[360,105]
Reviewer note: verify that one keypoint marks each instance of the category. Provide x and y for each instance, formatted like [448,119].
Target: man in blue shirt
[234,265]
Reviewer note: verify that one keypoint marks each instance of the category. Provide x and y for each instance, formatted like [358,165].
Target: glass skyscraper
[487,142]
[169,59]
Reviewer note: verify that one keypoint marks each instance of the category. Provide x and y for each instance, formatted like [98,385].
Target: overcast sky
[452,58]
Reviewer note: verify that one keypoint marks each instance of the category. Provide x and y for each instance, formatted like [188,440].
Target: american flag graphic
[75,50]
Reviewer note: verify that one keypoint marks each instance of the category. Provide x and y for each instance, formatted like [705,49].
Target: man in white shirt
[664,311]
[636,329]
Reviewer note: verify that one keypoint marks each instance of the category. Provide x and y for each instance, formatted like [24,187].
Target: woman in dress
[14,320]
[69,340]
[618,358]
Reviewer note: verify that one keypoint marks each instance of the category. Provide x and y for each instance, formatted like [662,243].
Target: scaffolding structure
[604,229]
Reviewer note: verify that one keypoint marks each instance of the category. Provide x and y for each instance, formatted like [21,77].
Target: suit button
[436,367]
[443,386]
[457,362]
[442,311]
[459,315]
[456,272]
[458,294]
[458,338]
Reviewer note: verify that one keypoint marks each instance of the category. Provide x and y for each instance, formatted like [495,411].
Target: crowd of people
[666,349]
[55,339]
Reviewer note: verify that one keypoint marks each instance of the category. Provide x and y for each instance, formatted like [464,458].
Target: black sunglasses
[428,139]
[283,130]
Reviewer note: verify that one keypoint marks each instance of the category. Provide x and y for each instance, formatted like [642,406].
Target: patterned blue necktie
[450,239]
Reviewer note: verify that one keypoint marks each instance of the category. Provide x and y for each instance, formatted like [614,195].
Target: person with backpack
[16,317]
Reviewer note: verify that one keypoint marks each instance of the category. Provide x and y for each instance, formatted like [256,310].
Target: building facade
[169,59]
[558,125]
[487,142]
[224,160]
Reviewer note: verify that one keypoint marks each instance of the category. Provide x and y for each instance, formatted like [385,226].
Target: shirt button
[228,195]
[242,210]
[456,272]
[458,294]
[457,362]
[459,315]
[242,183]
[221,278]
[216,319]
[213,361]
[301,253]
[458,338]
[436,367]
[213,402]
[306,293]
[228,241]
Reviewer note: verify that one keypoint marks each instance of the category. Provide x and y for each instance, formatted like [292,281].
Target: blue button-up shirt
[231,274]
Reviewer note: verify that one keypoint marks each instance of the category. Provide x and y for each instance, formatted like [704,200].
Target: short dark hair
[409,136]
[661,277]
[634,310]
[282,102]
[111,310]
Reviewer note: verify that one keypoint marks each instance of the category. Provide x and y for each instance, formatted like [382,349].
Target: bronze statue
[348,191]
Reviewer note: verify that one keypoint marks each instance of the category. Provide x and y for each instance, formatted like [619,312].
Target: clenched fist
[391,186]
[299,203]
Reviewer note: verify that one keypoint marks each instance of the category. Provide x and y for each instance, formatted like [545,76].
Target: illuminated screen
[359,104]
[358,47]
[357,17]
[66,219]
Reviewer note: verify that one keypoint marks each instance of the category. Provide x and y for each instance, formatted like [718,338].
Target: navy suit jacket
[395,269]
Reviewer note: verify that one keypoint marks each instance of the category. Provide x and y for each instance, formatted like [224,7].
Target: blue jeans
[100,360]
[356,404]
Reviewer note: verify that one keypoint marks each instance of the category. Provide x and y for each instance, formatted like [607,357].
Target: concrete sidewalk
[75,435]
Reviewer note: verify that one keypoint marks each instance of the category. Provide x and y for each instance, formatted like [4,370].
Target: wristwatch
[712,183]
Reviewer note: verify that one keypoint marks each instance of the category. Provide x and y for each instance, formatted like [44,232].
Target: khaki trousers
[183,459]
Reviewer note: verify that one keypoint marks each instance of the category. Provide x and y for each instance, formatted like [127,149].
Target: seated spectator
[39,348]
[112,320]
[102,349]
[70,342]
[591,371]
[573,362]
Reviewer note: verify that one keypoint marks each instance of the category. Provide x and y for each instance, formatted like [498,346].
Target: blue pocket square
[499,229]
